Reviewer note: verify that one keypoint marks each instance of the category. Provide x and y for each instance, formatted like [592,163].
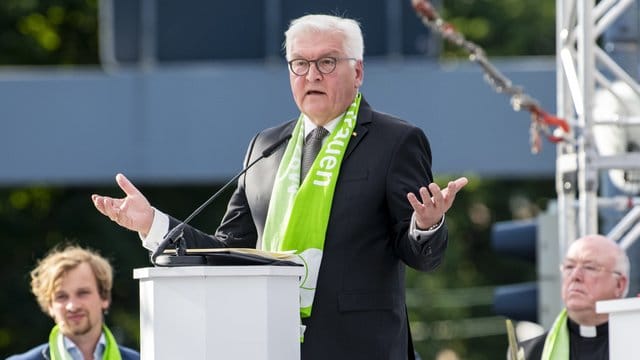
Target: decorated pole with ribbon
[541,121]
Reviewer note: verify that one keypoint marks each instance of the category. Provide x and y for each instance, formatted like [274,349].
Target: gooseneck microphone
[176,234]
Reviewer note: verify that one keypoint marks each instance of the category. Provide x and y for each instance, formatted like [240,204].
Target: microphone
[171,238]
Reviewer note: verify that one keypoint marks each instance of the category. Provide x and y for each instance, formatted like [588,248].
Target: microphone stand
[176,235]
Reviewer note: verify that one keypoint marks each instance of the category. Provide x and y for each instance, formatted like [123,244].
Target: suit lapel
[362,127]
[286,131]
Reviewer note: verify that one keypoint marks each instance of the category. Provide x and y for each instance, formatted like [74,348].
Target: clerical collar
[588,331]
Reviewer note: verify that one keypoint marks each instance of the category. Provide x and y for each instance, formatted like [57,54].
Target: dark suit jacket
[359,307]
[41,352]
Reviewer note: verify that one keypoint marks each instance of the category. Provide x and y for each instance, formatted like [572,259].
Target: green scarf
[556,345]
[58,351]
[299,213]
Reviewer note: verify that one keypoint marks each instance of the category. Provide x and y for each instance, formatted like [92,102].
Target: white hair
[350,30]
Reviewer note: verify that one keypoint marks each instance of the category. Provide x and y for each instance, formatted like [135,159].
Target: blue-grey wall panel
[192,123]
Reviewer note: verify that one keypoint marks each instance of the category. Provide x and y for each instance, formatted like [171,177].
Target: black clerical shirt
[586,344]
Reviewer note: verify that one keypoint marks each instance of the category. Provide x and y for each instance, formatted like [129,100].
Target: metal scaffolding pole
[584,72]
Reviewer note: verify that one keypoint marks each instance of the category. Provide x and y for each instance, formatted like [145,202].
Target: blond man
[73,286]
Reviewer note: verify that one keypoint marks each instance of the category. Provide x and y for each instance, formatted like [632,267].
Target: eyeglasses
[590,269]
[326,65]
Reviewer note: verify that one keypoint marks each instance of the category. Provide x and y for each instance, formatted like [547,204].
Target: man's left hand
[435,202]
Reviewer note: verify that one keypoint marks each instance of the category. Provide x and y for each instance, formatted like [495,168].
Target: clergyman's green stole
[58,351]
[299,213]
[556,345]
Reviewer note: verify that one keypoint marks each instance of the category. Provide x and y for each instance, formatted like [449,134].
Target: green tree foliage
[35,218]
[39,32]
[503,27]
[444,305]
[451,308]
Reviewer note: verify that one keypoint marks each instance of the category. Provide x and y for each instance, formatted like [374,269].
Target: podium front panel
[624,325]
[223,312]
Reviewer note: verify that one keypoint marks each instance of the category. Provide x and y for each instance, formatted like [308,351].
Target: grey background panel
[193,123]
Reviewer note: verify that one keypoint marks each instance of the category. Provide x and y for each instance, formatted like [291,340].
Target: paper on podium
[242,256]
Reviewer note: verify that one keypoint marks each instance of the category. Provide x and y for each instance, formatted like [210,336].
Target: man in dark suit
[73,286]
[357,214]
[595,268]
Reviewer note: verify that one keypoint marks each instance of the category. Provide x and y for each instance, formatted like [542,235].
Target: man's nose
[577,273]
[313,73]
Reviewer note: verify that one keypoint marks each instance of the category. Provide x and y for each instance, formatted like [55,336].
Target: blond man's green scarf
[58,351]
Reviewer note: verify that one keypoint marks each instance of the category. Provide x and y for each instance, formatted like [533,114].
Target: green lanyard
[58,351]
[556,345]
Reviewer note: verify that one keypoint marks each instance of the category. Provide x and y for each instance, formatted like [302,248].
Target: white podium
[624,326]
[219,312]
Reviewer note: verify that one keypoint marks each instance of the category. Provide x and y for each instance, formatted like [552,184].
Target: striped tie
[312,145]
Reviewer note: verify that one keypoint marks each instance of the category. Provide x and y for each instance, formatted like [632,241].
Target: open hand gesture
[132,212]
[430,209]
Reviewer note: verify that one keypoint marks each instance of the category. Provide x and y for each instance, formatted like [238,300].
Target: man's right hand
[132,212]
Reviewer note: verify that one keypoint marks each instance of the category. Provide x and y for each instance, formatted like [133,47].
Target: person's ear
[359,67]
[621,284]
[105,306]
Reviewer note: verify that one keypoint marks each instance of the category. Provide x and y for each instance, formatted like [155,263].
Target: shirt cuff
[417,234]
[159,228]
